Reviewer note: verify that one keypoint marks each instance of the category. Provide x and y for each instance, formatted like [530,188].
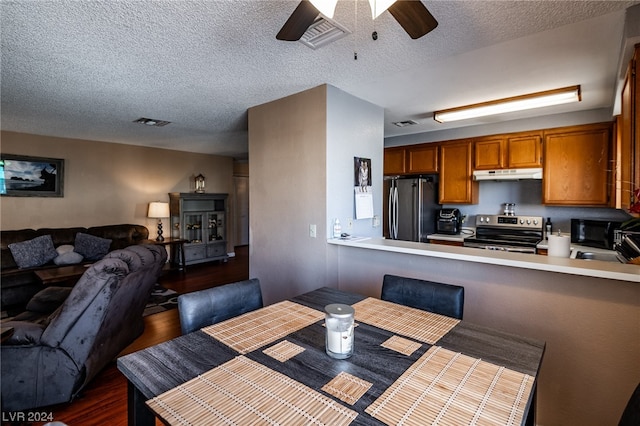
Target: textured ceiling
[87,69]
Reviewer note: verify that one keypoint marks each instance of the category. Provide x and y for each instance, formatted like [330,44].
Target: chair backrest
[631,413]
[206,307]
[443,299]
[103,312]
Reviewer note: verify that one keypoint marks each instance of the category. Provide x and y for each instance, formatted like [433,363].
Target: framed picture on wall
[24,176]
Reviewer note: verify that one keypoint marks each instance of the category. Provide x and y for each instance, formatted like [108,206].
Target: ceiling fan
[412,15]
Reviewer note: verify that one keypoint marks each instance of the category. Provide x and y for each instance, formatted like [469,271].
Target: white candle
[339,325]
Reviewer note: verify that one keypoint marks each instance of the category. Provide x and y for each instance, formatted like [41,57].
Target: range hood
[508,174]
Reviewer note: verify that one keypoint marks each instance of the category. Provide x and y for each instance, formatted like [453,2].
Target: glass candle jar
[339,324]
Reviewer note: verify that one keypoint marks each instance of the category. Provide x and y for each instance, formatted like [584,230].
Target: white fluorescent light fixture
[516,103]
[328,7]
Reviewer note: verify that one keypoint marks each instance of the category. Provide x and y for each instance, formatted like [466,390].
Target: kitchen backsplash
[527,196]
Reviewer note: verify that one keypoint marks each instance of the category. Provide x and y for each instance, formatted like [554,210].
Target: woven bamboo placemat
[283,351]
[402,345]
[417,324]
[347,387]
[448,388]
[245,392]
[253,330]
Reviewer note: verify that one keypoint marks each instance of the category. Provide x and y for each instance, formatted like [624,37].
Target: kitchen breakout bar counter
[598,269]
[587,312]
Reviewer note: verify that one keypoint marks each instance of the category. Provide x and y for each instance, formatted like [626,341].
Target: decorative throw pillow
[68,258]
[91,247]
[35,252]
[65,248]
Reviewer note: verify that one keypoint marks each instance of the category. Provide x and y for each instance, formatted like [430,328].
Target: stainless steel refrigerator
[412,206]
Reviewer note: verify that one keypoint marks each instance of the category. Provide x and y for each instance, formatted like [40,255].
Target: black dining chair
[631,413]
[206,307]
[439,298]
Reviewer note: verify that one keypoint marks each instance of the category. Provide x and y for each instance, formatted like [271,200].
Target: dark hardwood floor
[104,400]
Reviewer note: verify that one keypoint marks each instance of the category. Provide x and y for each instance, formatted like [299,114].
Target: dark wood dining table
[156,371]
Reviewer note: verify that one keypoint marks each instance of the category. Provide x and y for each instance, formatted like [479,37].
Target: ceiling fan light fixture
[326,7]
[516,103]
[379,6]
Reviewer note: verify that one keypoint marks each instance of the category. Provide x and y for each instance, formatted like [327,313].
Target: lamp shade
[158,210]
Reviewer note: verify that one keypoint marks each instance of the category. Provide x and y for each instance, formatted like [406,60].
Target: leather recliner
[439,298]
[207,307]
[50,361]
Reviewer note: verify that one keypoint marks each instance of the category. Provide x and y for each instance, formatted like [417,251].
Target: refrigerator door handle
[395,213]
[393,210]
[390,208]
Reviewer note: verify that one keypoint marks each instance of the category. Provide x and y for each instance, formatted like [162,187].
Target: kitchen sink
[607,257]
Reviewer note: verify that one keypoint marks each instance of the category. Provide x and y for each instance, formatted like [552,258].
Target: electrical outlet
[376,221]
[312,231]
[349,223]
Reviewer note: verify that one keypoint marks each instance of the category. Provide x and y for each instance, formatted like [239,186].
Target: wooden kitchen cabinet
[509,151]
[490,153]
[524,150]
[422,158]
[411,160]
[627,146]
[456,183]
[576,165]
[395,161]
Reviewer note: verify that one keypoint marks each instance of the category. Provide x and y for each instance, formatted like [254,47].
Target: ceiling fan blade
[414,17]
[302,17]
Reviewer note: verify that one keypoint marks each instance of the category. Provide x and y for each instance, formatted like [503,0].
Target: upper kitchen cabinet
[411,160]
[422,158]
[628,134]
[512,151]
[456,183]
[490,152]
[395,161]
[576,165]
[524,150]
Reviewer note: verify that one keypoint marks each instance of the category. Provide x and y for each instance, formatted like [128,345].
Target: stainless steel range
[507,233]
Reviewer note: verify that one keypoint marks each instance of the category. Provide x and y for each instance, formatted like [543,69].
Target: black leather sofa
[20,284]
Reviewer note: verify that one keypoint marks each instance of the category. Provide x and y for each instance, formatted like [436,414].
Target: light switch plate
[312,231]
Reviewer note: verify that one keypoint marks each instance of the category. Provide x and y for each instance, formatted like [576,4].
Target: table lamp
[158,210]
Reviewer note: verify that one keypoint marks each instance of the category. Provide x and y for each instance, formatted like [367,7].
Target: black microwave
[594,233]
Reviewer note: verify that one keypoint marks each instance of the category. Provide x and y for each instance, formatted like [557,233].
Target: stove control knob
[528,221]
[521,221]
[535,222]
[488,219]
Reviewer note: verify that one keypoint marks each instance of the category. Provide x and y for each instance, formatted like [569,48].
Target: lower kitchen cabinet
[576,165]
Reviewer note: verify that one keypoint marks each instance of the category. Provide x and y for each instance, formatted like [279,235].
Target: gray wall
[301,151]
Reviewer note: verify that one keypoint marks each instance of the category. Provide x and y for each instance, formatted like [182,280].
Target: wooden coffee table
[69,274]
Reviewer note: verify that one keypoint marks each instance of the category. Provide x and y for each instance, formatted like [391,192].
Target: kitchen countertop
[592,268]
[465,233]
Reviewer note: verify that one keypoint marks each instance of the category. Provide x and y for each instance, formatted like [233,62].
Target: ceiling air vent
[405,123]
[151,122]
[323,31]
